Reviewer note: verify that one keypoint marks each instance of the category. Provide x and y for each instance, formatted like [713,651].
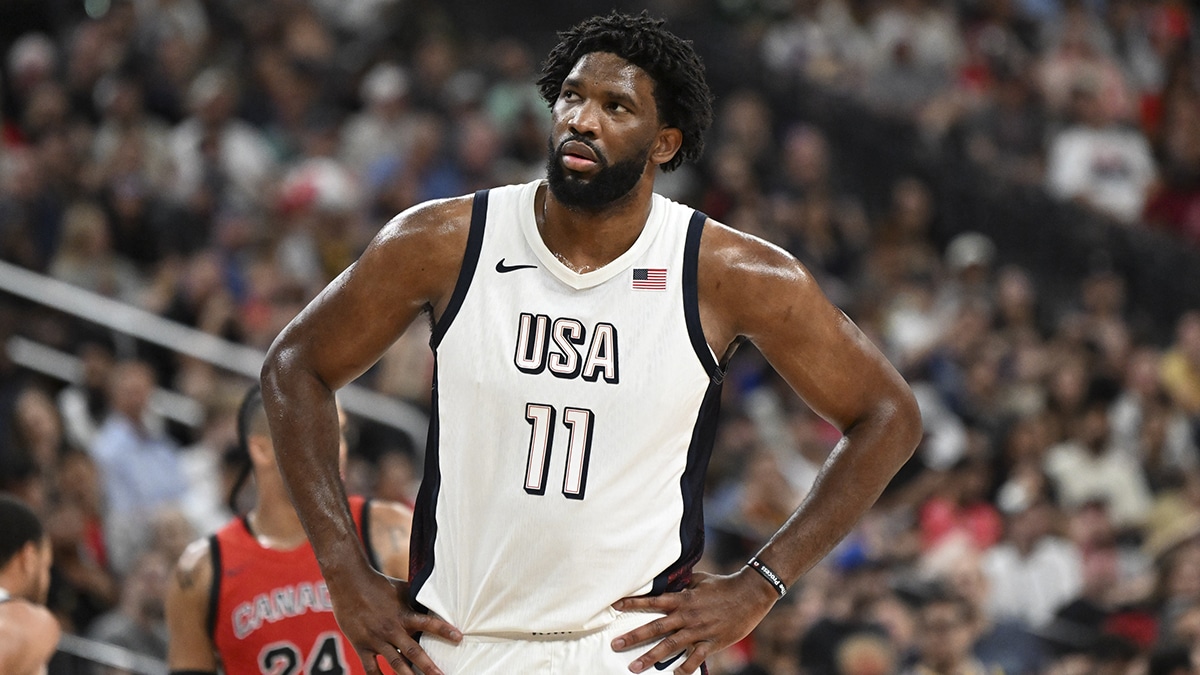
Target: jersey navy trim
[691,486]
[467,271]
[214,590]
[691,297]
[424,533]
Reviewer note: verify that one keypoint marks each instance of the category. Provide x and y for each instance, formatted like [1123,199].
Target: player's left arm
[750,289]
[190,648]
[391,526]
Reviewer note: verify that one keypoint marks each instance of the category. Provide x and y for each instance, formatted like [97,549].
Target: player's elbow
[904,423]
[283,362]
[274,365]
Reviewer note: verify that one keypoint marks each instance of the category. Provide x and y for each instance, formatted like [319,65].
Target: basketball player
[250,599]
[580,326]
[28,631]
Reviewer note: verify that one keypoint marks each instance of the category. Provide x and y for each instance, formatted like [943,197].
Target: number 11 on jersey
[579,423]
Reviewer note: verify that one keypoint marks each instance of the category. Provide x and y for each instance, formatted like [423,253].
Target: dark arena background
[1004,195]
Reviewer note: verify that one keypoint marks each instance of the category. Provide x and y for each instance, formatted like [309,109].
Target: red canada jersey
[270,612]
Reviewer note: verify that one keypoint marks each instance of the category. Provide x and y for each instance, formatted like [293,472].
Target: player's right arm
[410,267]
[189,647]
[29,635]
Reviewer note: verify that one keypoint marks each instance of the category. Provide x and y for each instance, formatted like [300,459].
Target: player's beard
[609,184]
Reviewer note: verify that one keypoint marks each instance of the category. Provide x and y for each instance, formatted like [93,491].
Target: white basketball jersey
[573,416]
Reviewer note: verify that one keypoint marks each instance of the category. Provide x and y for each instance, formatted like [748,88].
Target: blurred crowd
[218,162]
[1094,99]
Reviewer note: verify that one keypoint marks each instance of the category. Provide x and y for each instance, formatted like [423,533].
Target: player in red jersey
[250,599]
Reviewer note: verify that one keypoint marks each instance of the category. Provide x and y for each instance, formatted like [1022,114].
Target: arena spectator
[86,258]
[205,504]
[1146,420]
[32,59]
[216,162]
[1076,52]
[1004,645]
[40,431]
[918,48]
[137,623]
[83,405]
[1088,466]
[1033,570]
[1097,162]
[138,464]
[948,629]
[29,235]
[81,585]
[1174,203]
[1180,366]
[961,508]
[383,132]
[848,619]
[1007,132]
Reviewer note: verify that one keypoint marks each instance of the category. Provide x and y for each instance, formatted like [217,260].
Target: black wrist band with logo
[768,574]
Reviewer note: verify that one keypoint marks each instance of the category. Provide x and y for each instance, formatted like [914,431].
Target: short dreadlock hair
[680,92]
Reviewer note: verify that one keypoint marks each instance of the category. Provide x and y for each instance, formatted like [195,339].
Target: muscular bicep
[761,293]
[189,645]
[411,265]
[391,529]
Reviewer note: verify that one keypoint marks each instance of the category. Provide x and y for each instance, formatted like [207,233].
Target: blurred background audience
[1004,194]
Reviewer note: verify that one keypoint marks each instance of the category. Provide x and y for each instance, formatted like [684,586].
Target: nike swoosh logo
[502,268]
[666,663]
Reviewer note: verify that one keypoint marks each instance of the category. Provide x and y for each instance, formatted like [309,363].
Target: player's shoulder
[745,284]
[434,217]
[726,252]
[387,512]
[426,241]
[443,218]
[390,531]
[30,635]
[194,569]
[415,256]
[29,616]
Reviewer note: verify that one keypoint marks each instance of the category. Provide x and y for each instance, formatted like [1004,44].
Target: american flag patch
[650,278]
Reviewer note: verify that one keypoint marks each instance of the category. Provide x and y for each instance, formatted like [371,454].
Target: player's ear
[30,558]
[666,144]
[260,448]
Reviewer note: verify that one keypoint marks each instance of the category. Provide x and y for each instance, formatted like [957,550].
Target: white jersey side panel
[568,432]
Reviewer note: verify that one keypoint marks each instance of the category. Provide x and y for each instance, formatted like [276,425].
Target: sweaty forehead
[607,70]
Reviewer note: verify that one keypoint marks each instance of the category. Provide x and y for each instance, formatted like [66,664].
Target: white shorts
[588,654]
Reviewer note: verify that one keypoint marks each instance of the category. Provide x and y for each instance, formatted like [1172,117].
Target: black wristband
[768,574]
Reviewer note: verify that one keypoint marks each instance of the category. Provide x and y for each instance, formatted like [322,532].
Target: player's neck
[588,240]
[13,587]
[274,522]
